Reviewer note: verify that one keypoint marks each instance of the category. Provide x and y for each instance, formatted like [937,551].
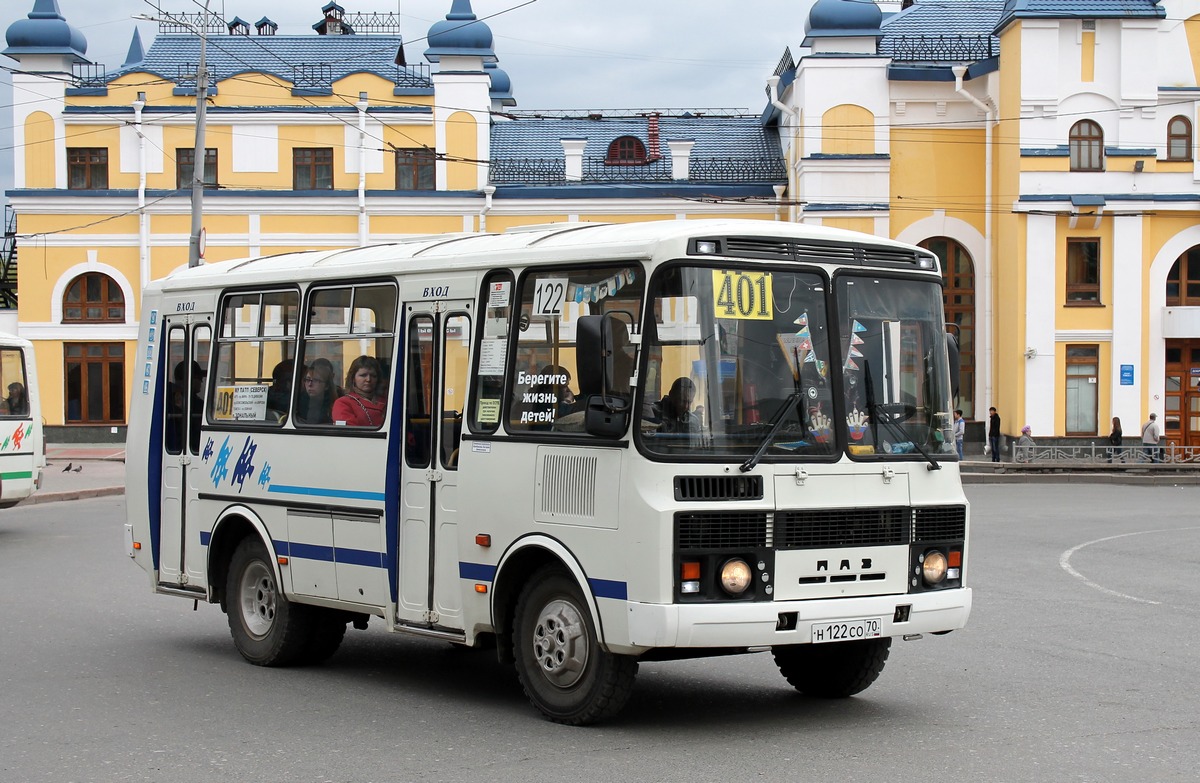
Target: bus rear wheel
[267,629]
[833,671]
[562,668]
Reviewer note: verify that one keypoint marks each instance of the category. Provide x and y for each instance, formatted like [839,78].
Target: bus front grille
[940,523]
[718,488]
[838,527]
[721,531]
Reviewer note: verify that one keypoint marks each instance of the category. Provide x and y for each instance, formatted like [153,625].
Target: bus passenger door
[181,559]
[437,339]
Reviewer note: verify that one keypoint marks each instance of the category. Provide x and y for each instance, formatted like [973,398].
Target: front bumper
[745,624]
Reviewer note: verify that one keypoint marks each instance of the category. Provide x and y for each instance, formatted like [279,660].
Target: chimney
[652,152]
[681,152]
[573,152]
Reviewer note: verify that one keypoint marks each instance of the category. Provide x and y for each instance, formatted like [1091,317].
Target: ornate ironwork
[185,75]
[189,23]
[309,76]
[1052,455]
[614,114]
[552,171]
[786,63]
[373,22]
[8,260]
[88,74]
[939,48]
[415,75]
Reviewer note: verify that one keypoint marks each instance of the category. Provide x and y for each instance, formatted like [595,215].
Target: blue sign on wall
[1126,374]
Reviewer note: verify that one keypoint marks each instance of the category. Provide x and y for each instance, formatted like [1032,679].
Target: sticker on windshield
[742,295]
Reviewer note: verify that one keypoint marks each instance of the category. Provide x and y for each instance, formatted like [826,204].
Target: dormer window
[239,26]
[626,151]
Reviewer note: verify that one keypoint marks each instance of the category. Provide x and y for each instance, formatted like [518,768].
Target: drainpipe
[793,148]
[989,280]
[143,219]
[362,168]
[488,190]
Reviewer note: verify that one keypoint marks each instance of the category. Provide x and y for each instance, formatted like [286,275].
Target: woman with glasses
[314,404]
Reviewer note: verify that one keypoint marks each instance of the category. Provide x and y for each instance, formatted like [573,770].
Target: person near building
[1115,451]
[1151,435]
[1024,449]
[960,432]
[994,434]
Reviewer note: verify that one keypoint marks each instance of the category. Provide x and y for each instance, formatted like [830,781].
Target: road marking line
[1065,562]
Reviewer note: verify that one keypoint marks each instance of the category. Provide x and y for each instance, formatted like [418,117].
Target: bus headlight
[933,567]
[735,576]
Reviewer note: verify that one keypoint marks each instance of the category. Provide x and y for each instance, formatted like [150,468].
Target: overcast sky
[560,54]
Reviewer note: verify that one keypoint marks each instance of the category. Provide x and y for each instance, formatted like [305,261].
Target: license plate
[847,630]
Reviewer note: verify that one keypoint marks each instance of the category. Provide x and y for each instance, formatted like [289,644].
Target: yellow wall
[1087,56]
[935,168]
[864,224]
[848,130]
[1192,27]
[462,150]
[39,151]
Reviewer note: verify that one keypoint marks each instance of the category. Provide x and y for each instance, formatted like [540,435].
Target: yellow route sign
[742,294]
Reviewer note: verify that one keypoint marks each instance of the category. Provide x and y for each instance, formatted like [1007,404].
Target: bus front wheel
[560,664]
[833,671]
[267,629]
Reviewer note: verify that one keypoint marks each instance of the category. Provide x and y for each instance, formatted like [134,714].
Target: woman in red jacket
[359,407]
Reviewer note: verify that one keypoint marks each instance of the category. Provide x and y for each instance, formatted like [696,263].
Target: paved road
[1079,664]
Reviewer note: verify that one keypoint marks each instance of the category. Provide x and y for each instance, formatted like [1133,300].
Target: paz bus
[583,445]
[22,446]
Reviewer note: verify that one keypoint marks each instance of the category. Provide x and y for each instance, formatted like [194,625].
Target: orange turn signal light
[955,558]
[480,588]
[282,560]
[690,571]
[137,544]
[483,539]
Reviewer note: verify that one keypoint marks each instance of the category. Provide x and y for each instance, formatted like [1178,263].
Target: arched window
[93,297]
[1179,139]
[959,298]
[1087,146]
[626,151]
[1183,281]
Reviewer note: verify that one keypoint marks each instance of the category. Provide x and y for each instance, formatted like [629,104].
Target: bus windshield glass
[744,364]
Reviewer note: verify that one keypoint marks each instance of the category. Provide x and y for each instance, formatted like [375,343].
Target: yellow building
[310,141]
[1045,150]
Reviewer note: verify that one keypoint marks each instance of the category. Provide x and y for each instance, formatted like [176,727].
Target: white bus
[22,445]
[584,444]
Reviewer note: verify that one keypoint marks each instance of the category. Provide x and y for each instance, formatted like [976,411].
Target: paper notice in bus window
[491,356]
[498,294]
[495,327]
[241,403]
[489,411]
[741,294]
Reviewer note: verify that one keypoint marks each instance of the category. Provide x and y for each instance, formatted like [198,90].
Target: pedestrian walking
[960,432]
[1115,452]
[1151,435]
[994,434]
[1024,449]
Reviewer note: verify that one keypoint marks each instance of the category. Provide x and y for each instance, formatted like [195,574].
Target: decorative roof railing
[312,76]
[88,75]
[708,170]
[614,114]
[184,22]
[414,75]
[939,48]
[373,22]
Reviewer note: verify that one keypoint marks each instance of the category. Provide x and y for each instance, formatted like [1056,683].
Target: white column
[1040,285]
[573,151]
[1127,319]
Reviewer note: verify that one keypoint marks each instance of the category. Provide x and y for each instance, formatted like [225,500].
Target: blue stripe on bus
[327,554]
[324,492]
[606,588]
[205,537]
[477,572]
[154,468]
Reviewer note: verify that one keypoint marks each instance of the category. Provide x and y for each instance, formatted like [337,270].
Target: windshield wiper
[880,413]
[776,423]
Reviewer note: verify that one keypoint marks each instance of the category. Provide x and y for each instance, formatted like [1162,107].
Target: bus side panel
[143,445]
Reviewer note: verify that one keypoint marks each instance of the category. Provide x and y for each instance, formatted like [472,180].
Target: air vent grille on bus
[721,531]
[834,527]
[569,485]
[793,250]
[940,523]
[718,487]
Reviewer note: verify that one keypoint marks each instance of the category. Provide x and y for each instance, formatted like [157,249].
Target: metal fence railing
[1104,454]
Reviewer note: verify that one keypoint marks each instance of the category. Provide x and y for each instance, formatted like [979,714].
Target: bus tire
[832,671]
[559,662]
[267,629]
[325,636]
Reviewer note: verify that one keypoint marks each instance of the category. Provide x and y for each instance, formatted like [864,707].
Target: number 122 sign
[742,294]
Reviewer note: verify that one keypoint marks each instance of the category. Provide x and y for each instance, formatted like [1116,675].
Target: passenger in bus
[359,406]
[675,409]
[16,403]
[178,404]
[314,403]
[279,395]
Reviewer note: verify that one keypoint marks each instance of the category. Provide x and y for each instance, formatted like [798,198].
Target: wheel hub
[560,643]
[257,600]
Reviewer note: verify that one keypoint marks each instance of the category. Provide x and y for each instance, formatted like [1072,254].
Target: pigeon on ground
[68,467]
[78,468]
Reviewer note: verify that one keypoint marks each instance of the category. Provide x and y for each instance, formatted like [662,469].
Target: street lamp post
[198,156]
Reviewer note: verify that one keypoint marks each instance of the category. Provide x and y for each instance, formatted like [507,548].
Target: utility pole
[201,106]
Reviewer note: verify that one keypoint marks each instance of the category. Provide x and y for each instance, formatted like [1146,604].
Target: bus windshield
[746,362]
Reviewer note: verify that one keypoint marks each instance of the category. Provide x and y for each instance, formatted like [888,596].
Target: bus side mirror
[952,355]
[604,364]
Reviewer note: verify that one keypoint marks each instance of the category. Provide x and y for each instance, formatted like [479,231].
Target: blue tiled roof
[940,19]
[721,138]
[1079,9]
[229,55]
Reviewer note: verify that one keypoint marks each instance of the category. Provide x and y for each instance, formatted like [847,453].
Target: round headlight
[933,568]
[736,576]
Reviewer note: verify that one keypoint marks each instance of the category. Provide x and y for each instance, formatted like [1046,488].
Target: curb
[73,494]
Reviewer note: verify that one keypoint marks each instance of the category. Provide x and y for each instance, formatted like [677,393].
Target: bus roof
[551,243]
